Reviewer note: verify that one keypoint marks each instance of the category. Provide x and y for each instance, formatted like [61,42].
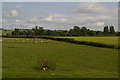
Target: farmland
[104,40]
[72,61]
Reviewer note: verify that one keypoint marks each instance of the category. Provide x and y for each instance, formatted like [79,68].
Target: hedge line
[67,40]
[82,42]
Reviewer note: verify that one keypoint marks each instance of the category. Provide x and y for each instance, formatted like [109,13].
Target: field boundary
[70,40]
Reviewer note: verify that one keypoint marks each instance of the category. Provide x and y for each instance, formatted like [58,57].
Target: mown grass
[72,61]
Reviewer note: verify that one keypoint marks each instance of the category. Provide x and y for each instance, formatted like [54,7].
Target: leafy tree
[112,30]
[106,30]
[99,33]
[71,32]
[76,28]
[92,33]
[76,31]
[84,31]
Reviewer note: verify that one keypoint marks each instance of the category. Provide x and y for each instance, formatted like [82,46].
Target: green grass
[104,40]
[5,32]
[72,61]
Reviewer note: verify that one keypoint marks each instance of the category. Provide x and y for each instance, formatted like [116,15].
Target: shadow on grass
[11,47]
[4,66]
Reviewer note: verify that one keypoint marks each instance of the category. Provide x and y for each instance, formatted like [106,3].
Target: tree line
[76,31]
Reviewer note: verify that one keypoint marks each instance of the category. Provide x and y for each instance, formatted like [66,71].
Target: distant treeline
[76,31]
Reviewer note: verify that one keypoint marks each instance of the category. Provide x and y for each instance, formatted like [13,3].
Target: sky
[59,0]
[59,15]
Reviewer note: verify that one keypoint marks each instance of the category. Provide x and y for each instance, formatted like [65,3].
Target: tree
[92,33]
[16,31]
[40,31]
[36,27]
[71,32]
[84,31]
[77,31]
[49,32]
[112,30]
[99,33]
[76,28]
[13,33]
[106,30]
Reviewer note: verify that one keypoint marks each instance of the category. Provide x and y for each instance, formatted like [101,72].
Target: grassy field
[104,40]
[5,32]
[72,61]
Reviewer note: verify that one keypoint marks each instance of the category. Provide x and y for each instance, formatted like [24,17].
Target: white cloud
[88,14]
[2,20]
[18,21]
[63,20]
[18,6]
[35,19]
[59,15]
[56,18]
[94,8]
[76,19]
[14,13]
[49,18]
[26,24]
[99,24]
[31,25]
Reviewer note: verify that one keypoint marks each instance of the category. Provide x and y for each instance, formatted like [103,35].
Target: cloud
[18,6]
[18,21]
[2,20]
[88,20]
[49,18]
[60,18]
[99,24]
[34,19]
[14,13]
[92,15]
[63,20]
[9,14]
[56,18]
[94,8]
[31,26]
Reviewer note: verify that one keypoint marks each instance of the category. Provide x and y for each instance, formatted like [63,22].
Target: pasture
[19,59]
[5,32]
[104,40]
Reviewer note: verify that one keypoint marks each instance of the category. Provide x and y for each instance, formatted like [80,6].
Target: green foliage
[76,31]
[99,33]
[106,30]
[112,30]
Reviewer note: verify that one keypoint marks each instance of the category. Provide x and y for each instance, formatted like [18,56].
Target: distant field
[72,61]
[104,40]
[5,32]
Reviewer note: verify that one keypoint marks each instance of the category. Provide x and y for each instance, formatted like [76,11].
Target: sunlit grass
[72,61]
